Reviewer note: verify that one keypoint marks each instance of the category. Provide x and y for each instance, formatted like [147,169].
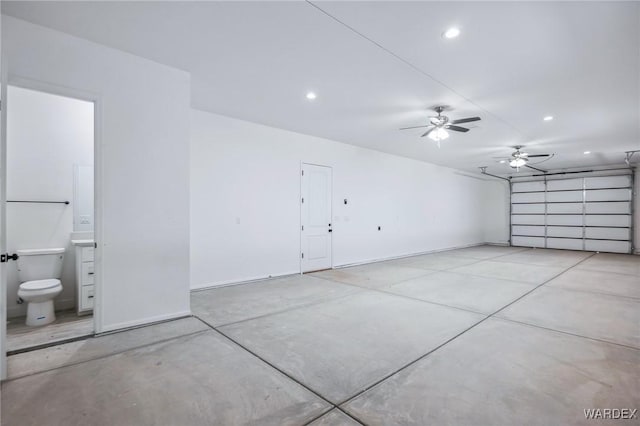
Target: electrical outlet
[85,220]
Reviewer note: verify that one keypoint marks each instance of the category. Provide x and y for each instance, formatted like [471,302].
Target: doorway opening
[49,219]
[316,230]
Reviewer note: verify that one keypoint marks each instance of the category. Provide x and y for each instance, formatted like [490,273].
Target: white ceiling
[378,66]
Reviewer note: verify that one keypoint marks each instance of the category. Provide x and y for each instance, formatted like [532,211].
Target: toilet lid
[39,284]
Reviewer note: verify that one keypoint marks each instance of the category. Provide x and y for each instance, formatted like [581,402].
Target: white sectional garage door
[586,213]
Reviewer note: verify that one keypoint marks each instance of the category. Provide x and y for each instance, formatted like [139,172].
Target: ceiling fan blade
[465,120]
[456,128]
[427,132]
[414,127]
[535,168]
[539,155]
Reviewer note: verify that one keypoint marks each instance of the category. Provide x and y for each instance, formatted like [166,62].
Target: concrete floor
[478,336]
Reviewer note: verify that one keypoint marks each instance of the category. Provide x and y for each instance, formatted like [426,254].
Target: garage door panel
[561,184]
[622,207]
[608,233]
[565,243]
[528,197]
[608,220]
[527,208]
[564,208]
[529,230]
[587,213]
[564,196]
[608,246]
[527,219]
[608,195]
[528,186]
[608,182]
[527,241]
[565,231]
[575,220]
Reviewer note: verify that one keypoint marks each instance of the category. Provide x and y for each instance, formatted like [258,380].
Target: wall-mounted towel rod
[38,202]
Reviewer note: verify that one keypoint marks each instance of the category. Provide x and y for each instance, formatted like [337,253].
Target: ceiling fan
[522,159]
[439,124]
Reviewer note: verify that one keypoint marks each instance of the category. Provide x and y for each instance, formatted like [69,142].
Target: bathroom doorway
[50,219]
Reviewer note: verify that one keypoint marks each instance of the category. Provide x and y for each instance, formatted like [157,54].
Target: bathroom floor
[478,336]
[67,326]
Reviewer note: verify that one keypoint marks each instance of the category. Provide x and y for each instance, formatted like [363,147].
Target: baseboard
[122,326]
[228,283]
[404,256]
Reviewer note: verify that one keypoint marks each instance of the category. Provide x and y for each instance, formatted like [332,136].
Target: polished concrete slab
[532,274]
[230,304]
[480,294]
[341,346]
[504,374]
[484,252]
[27,363]
[611,318]
[617,263]
[438,262]
[375,275]
[378,335]
[335,417]
[598,282]
[201,379]
[546,257]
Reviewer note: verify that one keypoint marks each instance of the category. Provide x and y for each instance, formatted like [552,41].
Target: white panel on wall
[522,219]
[529,230]
[563,184]
[608,246]
[608,220]
[527,208]
[574,220]
[564,243]
[564,208]
[528,186]
[608,233]
[608,195]
[608,182]
[527,241]
[528,197]
[564,231]
[622,207]
[564,196]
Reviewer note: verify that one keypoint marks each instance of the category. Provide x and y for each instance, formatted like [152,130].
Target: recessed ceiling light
[452,32]
[503,161]
[311,96]
[548,118]
[587,152]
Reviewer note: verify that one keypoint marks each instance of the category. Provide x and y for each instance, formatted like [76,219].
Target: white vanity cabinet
[85,289]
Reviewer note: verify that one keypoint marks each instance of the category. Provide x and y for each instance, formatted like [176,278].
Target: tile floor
[479,336]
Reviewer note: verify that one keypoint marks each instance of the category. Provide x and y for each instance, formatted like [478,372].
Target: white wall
[143,164]
[249,173]
[46,136]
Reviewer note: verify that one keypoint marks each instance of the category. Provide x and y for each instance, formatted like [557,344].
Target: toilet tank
[39,264]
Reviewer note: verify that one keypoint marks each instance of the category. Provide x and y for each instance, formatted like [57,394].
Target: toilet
[39,272]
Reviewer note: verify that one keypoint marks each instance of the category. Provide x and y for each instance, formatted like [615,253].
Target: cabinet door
[87,254]
[87,294]
[87,273]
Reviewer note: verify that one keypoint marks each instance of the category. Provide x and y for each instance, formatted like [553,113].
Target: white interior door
[3,226]
[316,228]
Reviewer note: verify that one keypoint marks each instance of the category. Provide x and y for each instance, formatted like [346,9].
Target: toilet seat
[38,285]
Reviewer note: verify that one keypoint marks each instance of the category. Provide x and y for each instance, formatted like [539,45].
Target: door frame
[302,164]
[84,95]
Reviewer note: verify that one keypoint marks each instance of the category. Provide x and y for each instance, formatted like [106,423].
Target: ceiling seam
[414,67]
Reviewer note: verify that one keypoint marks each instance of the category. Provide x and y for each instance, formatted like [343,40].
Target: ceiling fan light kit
[439,124]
